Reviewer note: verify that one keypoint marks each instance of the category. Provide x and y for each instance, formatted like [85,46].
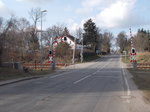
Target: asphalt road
[99,86]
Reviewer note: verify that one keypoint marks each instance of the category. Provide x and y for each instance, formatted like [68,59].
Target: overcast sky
[114,15]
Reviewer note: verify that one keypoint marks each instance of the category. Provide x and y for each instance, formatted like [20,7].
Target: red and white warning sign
[133,55]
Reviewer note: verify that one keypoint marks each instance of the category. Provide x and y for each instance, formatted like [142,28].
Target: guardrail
[39,66]
[143,66]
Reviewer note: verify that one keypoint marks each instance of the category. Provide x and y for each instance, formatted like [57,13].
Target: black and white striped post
[131,38]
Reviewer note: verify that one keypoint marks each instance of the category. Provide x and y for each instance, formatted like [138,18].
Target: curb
[3,83]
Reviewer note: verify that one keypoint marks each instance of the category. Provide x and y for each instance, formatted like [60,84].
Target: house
[72,41]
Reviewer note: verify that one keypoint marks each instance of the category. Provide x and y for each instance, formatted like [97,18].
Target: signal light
[65,38]
[50,52]
[133,50]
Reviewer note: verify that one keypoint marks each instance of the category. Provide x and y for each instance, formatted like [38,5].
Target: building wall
[70,42]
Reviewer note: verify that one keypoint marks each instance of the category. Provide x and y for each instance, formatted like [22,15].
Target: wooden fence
[143,66]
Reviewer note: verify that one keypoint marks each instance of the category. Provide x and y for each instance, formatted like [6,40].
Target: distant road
[99,86]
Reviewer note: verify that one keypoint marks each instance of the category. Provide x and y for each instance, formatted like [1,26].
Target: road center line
[64,73]
[82,79]
[101,68]
[90,75]
[109,71]
[108,77]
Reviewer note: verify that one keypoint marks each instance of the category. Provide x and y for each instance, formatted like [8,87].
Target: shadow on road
[105,80]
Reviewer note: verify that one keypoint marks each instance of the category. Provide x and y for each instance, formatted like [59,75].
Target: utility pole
[41,53]
[81,53]
[74,51]
[54,44]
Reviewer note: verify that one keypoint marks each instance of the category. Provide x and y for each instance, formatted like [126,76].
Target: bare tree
[122,41]
[23,25]
[55,30]
[141,40]
[79,33]
[106,42]
[5,28]
[35,15]
[1,38]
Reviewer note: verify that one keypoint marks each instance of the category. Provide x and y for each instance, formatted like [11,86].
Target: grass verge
[126,59]
[142,80]
[140,77]
[90,57]
[8,73]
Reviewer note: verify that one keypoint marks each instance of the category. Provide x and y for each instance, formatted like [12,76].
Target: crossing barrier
[39,66]
[143,65]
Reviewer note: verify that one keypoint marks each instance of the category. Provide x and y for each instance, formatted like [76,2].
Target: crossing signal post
[133,57]
[133,52]
[52,57]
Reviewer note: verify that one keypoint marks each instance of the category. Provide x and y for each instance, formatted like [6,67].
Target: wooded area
[141,41]
[20,40]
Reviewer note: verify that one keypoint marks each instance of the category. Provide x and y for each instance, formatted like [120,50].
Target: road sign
[133,55]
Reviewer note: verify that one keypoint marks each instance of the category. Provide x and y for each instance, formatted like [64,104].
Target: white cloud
[72,25]
[120,14]
[35,1]
[2,6]
[4,10]
[113,13]
[87,6]
[90,5]
[116,13]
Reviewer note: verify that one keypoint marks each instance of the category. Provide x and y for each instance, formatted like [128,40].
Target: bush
[64,52]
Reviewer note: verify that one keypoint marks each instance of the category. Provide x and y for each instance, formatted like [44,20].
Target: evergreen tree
[90,34]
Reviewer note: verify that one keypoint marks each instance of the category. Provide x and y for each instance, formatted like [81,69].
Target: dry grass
[126,59]
[142,80]
[8,73]
[143,57]
[141,77]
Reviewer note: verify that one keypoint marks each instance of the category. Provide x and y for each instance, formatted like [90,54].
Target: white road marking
[64,73]
[82,79]
[108,77]
[90,75]
[67,72]
[126,82]
[109,71]
[101,68]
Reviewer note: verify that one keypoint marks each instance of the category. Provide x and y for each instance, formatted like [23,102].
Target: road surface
[99,86]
